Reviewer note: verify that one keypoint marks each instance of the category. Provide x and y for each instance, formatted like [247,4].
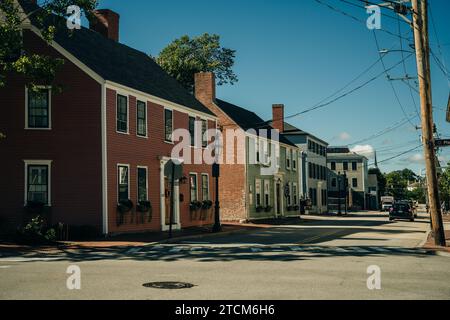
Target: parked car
[401,210]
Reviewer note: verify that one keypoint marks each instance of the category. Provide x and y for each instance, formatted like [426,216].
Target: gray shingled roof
[247,119]
[119,63]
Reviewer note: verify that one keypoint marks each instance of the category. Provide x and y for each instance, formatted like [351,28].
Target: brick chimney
[107,23]
[278,117]
[205,87]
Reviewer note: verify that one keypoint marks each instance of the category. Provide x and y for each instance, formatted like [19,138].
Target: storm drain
[169,285]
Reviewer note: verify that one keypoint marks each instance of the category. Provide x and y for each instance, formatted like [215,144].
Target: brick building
[103,140]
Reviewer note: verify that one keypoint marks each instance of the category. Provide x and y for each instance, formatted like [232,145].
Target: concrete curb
[425,240]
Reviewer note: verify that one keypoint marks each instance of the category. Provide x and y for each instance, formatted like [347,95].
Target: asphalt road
[318,258]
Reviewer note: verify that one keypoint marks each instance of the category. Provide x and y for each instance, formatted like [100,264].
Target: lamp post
[339,194]
[216,173]
[345,191]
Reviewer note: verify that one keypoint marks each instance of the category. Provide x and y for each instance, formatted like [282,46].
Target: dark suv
[401,210]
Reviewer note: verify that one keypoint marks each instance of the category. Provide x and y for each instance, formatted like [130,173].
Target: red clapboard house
[103,140]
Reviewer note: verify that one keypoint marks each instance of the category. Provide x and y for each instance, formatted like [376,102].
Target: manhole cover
[168,285]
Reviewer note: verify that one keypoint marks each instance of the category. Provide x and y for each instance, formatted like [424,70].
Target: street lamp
[339,194]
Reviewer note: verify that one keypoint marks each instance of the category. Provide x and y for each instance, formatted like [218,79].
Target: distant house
[313,159]
[354,167]
[246,192]
[94,154]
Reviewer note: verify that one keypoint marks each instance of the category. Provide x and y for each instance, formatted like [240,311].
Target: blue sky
[298,53]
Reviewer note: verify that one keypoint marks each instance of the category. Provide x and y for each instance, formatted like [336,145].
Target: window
[192,130]
[310,170]
[267,193]
[294,193]
[205,187]
[289,195]
[294,160]
[141,108]
[204,133]
[334,182]
[345,164]
[324,197]
[122,114]
[37,182]
[124,193]
[168,125]
[193,186]
[333,165]
[288,158]
[258,192]
[38,109]
[309,145]
[354,166]
[355,183]
[142,184]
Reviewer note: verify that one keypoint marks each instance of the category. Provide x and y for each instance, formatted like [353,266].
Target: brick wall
[73,144]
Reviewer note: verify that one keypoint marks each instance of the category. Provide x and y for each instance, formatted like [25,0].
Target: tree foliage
[444,186]
[186,56]
[397,185]
[14,58]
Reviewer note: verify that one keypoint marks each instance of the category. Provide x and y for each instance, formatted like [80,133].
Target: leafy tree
[186,56]
[14,58]
[444,186]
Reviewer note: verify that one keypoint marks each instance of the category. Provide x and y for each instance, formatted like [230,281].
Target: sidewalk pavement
[430,241]
[133,240]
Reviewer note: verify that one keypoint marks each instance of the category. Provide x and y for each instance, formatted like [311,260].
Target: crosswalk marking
[379,249]
[256,249]
[359,249]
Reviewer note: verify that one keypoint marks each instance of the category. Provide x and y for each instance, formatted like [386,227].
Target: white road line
[295,248]
[176,250]
[378,249]
[359,249]
[29,259]
[338,249]
[256,249]
[133,250]
[5,267]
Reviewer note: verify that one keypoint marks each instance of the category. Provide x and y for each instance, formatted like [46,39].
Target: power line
[393,127]
[443,67]
[398,155]
[392,86]
[356,18]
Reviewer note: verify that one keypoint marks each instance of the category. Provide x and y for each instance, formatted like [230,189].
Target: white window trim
[267,192]
[288,157]
[128,113]
[47,163]
[258,181]
[164,125]
[49,109]
[206,133]
[196,185]
[118,177]
[146,120]
[294,184]
[195,129]
[137,181]
[207,184]
[294,158]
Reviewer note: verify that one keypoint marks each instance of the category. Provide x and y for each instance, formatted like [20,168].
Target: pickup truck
[386,203]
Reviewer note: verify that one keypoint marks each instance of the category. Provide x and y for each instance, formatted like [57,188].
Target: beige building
[348,178]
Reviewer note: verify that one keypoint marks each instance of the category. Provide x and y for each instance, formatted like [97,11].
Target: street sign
[442,142]
[176,168]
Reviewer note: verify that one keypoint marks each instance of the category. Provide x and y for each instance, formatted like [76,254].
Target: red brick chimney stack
[278,117]
[107,23]
[205,87]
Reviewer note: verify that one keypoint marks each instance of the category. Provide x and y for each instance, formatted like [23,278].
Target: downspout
[104,161]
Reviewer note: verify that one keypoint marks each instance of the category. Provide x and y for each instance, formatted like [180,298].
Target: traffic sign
[442,142]
[175,168]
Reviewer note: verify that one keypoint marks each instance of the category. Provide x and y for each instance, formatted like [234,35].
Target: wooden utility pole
[420,20]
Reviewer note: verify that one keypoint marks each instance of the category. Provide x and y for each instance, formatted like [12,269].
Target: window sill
[38,129]
[124,133]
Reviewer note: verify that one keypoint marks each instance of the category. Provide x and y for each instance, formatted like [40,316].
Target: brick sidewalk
[130,240]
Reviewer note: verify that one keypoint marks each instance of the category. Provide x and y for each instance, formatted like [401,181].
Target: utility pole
[420,21]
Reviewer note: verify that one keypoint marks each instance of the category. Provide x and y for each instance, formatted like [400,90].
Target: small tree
[14,58]
[187,56]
